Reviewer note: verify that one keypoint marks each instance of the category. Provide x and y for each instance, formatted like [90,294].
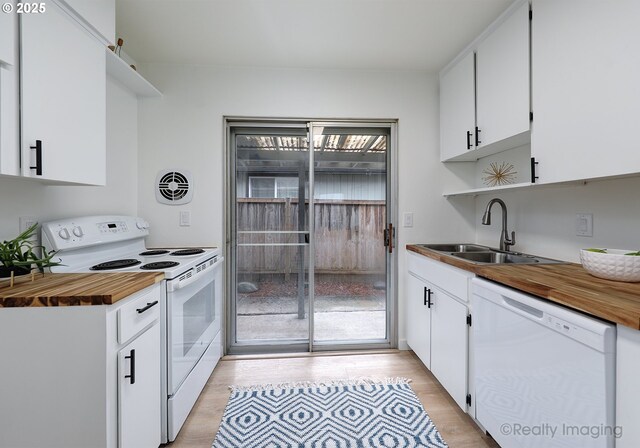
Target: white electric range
[190,313]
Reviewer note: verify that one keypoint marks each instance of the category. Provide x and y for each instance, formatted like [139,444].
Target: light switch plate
[185,219]
[407,219]
[584,224]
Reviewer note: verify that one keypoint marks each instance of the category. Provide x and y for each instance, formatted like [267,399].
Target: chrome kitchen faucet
[505,241]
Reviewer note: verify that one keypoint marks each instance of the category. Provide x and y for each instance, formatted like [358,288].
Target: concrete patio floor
[336,318]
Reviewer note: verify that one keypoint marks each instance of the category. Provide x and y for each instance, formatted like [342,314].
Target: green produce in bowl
[634,254]
[600,251]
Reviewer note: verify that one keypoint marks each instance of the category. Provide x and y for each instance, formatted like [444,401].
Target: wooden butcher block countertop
[566,284]
[74,289]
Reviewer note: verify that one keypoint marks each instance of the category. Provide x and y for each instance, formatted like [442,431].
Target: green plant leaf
[600,251]
[21,251]
[634,254]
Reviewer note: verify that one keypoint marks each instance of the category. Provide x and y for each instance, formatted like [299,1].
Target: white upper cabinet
[100,14]
[586,88]
[458,109]
[9,96]
[485,95]
[63,90]
[503,88]
[7,37]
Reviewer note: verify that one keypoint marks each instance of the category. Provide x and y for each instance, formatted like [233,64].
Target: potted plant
[18,255]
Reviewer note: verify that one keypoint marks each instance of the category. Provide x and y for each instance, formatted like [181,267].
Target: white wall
[20,197]
[184,129]
[544,218]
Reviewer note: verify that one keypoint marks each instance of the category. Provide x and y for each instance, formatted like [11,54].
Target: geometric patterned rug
[361,413]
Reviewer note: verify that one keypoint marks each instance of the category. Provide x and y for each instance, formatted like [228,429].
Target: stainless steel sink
[502,257]
[456,247]
[476,253]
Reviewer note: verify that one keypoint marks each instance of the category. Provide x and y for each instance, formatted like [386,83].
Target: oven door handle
[174,285]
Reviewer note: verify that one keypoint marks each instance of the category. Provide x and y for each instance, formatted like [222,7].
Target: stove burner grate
[153,252]
[115,264]
[183,252]
[160,265]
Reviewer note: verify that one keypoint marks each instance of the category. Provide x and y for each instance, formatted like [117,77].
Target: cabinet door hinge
[469,399]
[469,320]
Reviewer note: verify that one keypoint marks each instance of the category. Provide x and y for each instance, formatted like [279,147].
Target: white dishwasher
[544,375]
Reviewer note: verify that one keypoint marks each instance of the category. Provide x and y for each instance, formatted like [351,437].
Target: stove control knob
[142,225]
[77,231]
[64,234]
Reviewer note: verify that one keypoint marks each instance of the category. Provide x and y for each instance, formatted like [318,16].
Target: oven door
[193,319]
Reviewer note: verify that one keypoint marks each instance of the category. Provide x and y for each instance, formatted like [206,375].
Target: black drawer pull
[468,139]
[478,136]
[149,305]
[38,149]
[132,357]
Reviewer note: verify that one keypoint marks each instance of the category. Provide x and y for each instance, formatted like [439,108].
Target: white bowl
[612,265]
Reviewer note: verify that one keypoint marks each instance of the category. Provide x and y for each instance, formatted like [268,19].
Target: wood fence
[348,236]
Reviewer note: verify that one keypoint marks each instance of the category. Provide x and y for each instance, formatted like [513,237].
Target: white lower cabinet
[437,324]
[449,344]
[418,318]
[627,388]
[69,382]
[138,386]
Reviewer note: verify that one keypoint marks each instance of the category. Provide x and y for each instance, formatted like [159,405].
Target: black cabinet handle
[533,170]
[427,297]
[477,136]
[38,149]
[132,357]
[149,305]
[468,139]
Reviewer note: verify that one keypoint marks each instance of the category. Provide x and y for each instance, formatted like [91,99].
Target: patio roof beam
[256,155]
[372,140]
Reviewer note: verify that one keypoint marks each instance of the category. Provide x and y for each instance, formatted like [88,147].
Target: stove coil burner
[160,265]
[148,253]
[183,252]
[115,264]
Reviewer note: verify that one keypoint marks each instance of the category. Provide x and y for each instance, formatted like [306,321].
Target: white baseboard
[402,345]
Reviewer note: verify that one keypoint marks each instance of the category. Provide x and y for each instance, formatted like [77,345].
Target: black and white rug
[335,414]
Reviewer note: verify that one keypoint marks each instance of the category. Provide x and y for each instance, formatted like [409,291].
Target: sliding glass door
[309,268]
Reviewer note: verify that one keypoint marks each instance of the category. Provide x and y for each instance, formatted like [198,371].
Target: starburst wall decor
[499,173]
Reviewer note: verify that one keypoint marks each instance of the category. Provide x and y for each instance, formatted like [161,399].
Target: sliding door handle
[389,233]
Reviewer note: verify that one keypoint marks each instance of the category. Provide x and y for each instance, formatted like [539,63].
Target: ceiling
[321,34]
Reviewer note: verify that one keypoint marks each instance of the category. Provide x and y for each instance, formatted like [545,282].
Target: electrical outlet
[185,219]
[25,222]
[407,219]
[584,224]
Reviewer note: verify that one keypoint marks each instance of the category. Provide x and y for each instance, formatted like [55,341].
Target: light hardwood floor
[456,427]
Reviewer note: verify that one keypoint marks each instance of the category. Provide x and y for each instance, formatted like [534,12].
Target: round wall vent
[174,187]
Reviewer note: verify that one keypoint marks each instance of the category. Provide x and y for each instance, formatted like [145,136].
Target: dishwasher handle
[522,307]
